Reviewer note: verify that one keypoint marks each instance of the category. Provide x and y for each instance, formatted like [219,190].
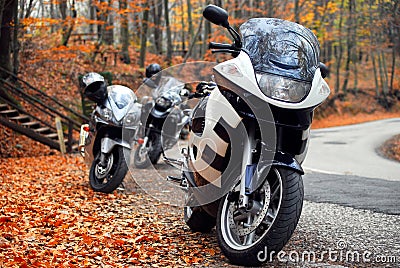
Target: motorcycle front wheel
[253,236]
[145,156]
[107,178]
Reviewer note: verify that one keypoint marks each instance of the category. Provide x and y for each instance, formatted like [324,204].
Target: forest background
[50,43]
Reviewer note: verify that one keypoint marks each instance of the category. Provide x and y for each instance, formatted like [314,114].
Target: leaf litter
[49,217]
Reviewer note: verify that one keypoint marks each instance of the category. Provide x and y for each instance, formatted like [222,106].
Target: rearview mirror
[216,15]
[324,70]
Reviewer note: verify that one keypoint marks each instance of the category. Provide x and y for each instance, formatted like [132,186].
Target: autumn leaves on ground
[51,218]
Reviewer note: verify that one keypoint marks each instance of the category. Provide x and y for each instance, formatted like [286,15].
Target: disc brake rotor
[100,171]
[239,227]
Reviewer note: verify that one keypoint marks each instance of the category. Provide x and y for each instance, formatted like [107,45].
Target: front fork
[248,167]
[143,143]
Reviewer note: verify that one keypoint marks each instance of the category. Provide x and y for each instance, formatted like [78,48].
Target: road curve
[352,150]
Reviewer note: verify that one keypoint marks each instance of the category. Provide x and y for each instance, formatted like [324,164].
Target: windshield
[281,47]
[169,88]
[122,96]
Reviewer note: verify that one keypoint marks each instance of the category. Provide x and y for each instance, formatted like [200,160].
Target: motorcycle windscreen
[169,88]
[281,47]
[121,98]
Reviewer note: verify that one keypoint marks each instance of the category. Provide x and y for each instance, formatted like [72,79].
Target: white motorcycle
[249,134]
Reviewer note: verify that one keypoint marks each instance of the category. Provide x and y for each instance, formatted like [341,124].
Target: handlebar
[202,89]
[224,48]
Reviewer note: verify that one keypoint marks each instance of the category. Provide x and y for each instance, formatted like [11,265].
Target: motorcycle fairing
[218,108]
[120,99]
[216,144]
[240,72]
[107,144]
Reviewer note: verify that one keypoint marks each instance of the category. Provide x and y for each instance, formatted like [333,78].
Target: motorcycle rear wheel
[198,220]
[109,180]
[250,237]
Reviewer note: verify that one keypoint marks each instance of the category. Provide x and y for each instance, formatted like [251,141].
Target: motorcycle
[163,120]
[102,142]
[249,134]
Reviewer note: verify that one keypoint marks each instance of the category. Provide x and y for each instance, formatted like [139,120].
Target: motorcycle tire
[152,156]
[250,239]
[198,220]
[114,176]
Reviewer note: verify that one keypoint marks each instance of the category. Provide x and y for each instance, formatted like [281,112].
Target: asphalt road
[344,167]
[352,150]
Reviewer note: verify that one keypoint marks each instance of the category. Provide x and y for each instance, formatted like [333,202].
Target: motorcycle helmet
[95,88]
[152,69]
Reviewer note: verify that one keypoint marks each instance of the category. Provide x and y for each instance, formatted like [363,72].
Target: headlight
[163,102]
[283,88]
[106,113]
[130,119]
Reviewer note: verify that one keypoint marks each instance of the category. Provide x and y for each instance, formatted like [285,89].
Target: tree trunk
[157,14]
[339,50]
[190,20]
[53,16]
[183,27]
[375,74]
[92,16]
[15,40]
[143,35]
[68,21]
[297,11]
[2,2]
[396,40]
[193,41]
[350,45]
[373,42]
[28,11]
[383,73]
[6,33]
[168,27]
[108,27]
[124,32]
[102,16]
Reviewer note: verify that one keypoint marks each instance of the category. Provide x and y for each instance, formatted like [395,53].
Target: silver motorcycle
[106,141]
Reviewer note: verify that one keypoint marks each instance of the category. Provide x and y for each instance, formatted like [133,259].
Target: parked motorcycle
[162,119]
[249,134]
[102,142]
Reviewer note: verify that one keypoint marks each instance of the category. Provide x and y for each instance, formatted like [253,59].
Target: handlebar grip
[213,45]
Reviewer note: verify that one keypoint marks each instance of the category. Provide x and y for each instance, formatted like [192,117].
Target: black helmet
[152,69]
[95,88]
